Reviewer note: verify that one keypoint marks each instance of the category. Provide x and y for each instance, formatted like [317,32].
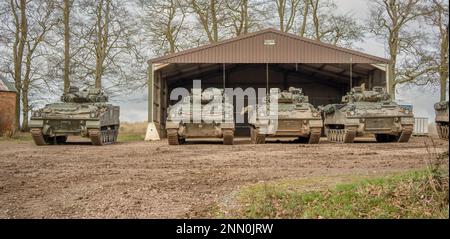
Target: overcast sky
[134,107]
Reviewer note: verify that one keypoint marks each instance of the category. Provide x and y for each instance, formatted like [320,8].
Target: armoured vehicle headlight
[93,115]
[37,114]
[315,114]
[352,112]
[407,111]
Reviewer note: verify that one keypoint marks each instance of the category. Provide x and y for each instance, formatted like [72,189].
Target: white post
[152,133]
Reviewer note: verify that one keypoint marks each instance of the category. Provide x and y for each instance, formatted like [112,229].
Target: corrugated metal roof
[6,85]
[269,46]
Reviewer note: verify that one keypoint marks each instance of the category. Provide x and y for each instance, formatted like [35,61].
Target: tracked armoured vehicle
[442,119]
[368,112]
[83,113]
[295,117]
[207,114]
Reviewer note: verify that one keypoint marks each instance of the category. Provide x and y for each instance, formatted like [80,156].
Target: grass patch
[406,196]
[131,132]
[133,128]
[418,194]
[21,136]
[123,137]
[128,132]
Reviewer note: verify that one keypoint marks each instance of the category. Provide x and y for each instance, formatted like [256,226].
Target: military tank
[83,113]
[442,119]
[368,112]
[208,115]
[295,118]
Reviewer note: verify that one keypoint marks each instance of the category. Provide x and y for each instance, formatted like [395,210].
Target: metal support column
[150,81]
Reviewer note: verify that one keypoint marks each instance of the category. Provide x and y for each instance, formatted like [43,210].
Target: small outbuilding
[7,106]
[264,59]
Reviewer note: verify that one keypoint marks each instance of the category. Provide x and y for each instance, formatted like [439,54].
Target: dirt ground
[154,180]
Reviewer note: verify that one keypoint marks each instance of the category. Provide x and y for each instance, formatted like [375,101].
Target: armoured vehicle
[84,113]
[295,117]
[207,114]
[368,112]
[442,119]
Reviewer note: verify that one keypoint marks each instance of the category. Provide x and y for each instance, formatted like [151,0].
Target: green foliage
[412,195]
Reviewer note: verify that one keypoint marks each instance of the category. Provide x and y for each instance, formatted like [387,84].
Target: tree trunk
[215,27]
[314,8]
[26,86]
[21,33]
[66,45]
[393,51]
[102,39]
[305,17]
[443,70]
[281,4]
[98,63]
[25,110]
[18,108]
[443,79]
[391,82]
[245,13]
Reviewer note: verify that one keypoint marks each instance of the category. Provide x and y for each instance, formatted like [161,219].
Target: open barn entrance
[322,83]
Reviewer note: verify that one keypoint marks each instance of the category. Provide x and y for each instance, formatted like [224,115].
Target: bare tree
[439,19]
[333,28]
[390,19]
[287,12]
[103,12]
[43,20]
[210,14]
[244,16]
[20,30]
[27,25]
[342,30]
[107,46]
[66,19]
[305,13]
[315,17]
[239,14]
[164,21]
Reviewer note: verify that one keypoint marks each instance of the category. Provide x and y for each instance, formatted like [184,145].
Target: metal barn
[268,58]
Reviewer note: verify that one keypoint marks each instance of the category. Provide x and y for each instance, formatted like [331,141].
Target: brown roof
[269,46]
[6,85]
